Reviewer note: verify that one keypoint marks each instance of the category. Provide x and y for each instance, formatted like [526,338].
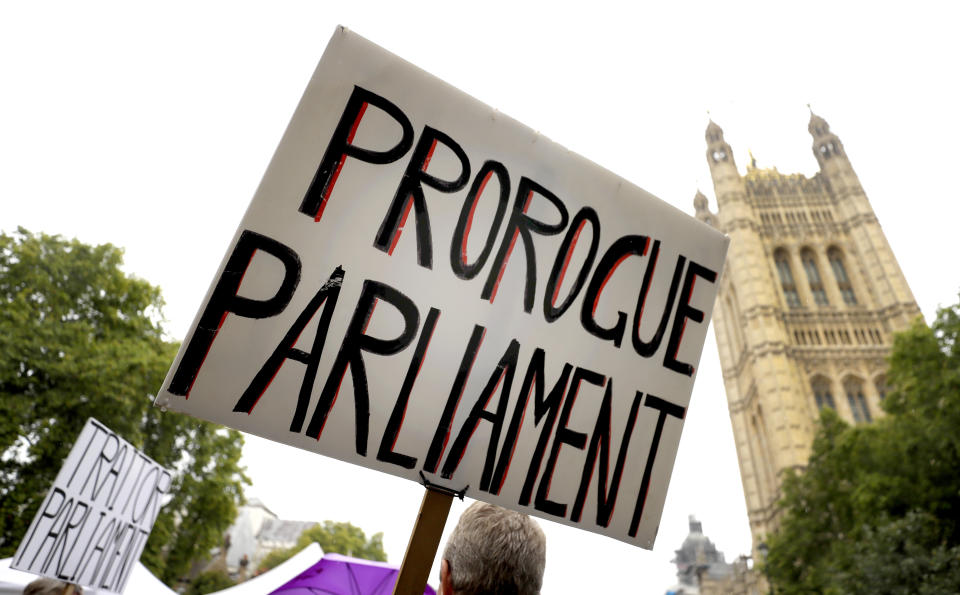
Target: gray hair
[48,586]
[494,550]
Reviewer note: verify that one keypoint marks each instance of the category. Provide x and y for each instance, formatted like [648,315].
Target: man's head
[48,586]
[493,550]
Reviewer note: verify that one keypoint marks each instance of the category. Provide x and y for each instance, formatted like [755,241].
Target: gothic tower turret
[702,207]
[826,145]
[890,289]
[809,299]
[723,169]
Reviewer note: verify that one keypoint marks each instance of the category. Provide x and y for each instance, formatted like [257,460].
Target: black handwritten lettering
[685,311]
[97,430]
[83,555]
[75,524]
[148,487]
[146,465]
[461,235]
[619,251]
[327,297]
[551,312]
[52,508]
[522,225]
[341,146]
[600,447]
[355,343]
[665,408]
[648,348]
[101,543]
[410,193]
[534,380]
[502,374]
[564,435]
[225,300]
[389,441]
[103,459]
[442,433]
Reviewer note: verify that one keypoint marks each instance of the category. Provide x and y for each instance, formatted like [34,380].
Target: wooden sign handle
[70,590]
[424,541]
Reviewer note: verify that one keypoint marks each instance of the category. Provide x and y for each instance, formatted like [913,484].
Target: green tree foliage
[276,558]
[877,510]
[334,538]
[210,582]
[78,339]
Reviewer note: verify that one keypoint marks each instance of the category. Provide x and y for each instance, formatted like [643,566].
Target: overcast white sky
[149,126]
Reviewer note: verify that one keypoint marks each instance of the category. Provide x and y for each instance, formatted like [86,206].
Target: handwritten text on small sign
[95,520]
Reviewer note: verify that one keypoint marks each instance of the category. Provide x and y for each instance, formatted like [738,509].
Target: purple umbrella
[342,575]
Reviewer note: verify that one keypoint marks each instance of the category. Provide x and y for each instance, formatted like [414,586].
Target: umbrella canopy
[342,575]
[280,575]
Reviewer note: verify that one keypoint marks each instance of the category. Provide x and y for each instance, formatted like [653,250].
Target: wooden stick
[423,544]
[70,590]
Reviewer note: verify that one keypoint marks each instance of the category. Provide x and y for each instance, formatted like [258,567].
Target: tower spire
[723,169]
[818,126]
[826,145]
[718,151]
[702,207]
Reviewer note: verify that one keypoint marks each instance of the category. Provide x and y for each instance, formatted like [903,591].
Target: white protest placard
[95,520]
[426,287]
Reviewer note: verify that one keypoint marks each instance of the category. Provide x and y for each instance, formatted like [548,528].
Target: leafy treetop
[333,537]
[80,338]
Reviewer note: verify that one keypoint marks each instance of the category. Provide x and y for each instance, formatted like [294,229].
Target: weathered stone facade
[809,301]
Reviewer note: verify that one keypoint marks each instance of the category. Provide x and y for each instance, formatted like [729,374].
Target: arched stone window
[881,383]
[809,261]
[829,148]
[822,393]
[858,403]
[737,339]
[840,273]
[786,278]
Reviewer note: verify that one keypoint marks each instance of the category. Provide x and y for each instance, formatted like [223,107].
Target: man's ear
[446,584]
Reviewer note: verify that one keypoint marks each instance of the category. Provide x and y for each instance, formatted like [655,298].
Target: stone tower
[808,303]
